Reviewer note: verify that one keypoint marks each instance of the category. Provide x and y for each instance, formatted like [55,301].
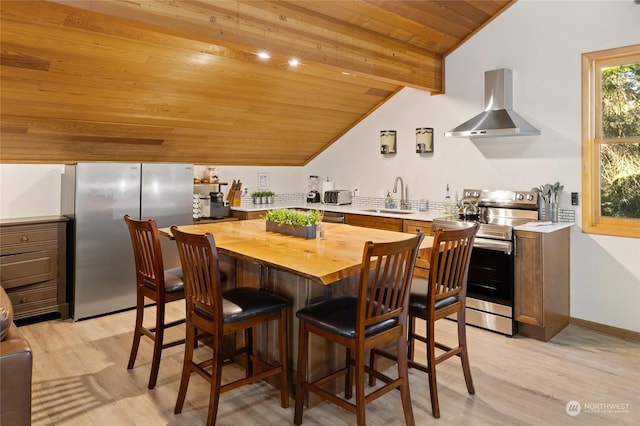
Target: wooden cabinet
[243,215]
[377,222]
[399,225]
[33,265]
[413,227]
[542,283]
[224,219]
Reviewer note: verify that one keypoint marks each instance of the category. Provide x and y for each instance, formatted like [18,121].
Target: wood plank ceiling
[180,81]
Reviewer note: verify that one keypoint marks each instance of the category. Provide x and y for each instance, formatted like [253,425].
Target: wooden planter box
[296,230]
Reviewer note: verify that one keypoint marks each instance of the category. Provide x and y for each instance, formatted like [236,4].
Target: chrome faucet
[404,204]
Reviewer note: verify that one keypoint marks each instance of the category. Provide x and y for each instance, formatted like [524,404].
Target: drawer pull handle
[24,299]
[24,239]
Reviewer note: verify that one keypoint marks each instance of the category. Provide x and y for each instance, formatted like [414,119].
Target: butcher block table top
[326,261]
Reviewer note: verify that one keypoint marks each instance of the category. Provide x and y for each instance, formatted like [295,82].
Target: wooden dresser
[33,265]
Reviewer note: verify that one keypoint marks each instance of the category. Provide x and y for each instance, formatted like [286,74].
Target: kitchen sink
[388,211]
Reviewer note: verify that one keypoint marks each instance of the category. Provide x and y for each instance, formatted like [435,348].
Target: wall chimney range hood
[498,119]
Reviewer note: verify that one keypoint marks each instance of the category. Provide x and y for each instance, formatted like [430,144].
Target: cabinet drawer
[28,268]
[423,262]
[23,238]
[257,214]
[415,226]
[33,298]
[376,222]
[421,272]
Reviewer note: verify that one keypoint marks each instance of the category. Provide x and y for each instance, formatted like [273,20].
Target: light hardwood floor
[80,378]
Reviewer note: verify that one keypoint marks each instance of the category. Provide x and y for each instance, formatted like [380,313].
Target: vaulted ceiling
[181,81]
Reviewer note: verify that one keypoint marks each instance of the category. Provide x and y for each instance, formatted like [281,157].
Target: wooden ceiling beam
[286,30]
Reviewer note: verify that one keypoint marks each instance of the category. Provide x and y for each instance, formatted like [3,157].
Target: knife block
[236,200]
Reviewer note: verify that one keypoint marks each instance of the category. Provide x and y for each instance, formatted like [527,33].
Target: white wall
[30,190]
[541,41]
[281,179]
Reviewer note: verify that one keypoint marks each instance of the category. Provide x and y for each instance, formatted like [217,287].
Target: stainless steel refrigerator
[96,196]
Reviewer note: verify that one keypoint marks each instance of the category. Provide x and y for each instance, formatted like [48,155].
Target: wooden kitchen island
[304,270]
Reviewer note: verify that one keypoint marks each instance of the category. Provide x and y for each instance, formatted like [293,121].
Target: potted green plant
[298,223]
[257,197]
[269,195]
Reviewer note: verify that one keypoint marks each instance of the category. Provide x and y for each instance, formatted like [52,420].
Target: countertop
[32,220]
[544,229]
[428,215]
[326,261]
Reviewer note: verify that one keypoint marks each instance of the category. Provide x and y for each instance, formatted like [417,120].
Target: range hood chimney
[498,118]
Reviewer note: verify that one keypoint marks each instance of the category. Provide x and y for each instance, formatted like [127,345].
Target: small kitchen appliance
[313,196]
[337,197]
[213,204]
[326,186]
[218,207]
[490,288]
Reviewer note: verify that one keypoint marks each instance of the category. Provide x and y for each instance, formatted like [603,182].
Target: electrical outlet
[574,198]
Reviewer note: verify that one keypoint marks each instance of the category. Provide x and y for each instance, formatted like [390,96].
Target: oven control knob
[520,197]
[530,197]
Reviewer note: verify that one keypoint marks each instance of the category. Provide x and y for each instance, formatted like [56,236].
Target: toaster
[337,197]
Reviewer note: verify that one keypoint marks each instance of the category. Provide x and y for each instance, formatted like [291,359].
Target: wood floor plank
[80,378]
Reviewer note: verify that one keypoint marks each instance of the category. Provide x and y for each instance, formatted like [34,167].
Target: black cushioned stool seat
[339,315]
[244,303]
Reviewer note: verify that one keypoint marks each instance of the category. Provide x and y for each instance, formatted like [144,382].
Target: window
[611,142]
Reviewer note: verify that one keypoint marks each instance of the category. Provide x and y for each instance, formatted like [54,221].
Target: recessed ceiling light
[263,54]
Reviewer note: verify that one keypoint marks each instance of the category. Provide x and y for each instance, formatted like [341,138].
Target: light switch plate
[574,198]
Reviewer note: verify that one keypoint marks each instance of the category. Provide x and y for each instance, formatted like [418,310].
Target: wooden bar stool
[443,294]
[154,282]
[377,315]
[217,313]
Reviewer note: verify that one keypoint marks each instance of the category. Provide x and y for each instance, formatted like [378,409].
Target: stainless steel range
[491,273]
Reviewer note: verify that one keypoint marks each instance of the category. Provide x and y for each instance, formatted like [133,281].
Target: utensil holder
[551,211]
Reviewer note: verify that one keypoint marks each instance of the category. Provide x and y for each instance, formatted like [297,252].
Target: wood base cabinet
[375,222]
[542,283]
[422,262]
[244,215]
[33,265]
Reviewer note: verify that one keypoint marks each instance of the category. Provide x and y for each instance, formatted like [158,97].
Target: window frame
[592,221]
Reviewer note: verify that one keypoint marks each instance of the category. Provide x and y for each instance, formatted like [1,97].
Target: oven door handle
[497,245]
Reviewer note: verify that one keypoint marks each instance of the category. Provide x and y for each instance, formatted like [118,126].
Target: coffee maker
[218,207]
[313,196]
